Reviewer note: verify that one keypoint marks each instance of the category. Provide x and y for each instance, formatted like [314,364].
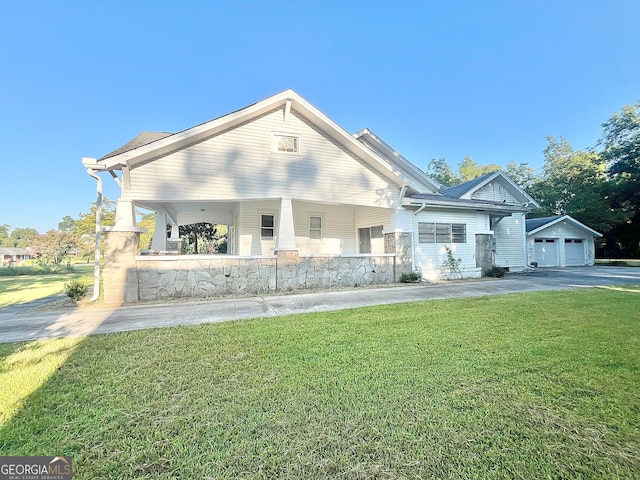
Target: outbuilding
[560,241]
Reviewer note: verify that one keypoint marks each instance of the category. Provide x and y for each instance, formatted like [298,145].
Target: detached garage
[560,241]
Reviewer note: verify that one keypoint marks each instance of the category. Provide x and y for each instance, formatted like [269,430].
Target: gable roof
[466,189]
[534,225]
[380,147]
[150,146]
[140,140]
[459,190]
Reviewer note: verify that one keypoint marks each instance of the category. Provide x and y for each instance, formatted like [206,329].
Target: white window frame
[273,228]
[315,229]
[275,144]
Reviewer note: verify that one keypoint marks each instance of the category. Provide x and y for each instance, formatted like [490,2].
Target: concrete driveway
[22,322]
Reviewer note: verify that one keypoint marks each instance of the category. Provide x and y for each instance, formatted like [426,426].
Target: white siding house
[560,241]
[306,204]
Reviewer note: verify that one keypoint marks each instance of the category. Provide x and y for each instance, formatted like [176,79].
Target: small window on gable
[286,143]
[267,226]
[315,228]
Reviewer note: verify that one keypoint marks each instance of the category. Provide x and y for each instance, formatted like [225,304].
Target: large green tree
[53,246]
[441,171]
[469,169]
[22,237]
[621,151]
[575,183]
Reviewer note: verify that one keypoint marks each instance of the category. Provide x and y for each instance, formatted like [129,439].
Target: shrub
[496,272]
[410,277]
[75,289]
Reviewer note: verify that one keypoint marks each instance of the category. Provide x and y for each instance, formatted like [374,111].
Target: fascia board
[511,183]
[470,206]
[347,140]
[399,158]
[195,134]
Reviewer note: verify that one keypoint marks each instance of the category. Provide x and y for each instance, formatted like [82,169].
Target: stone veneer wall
[210,276]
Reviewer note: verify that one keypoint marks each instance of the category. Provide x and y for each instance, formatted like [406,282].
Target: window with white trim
[442,232]
[285,143]
[267,226]
[315,228]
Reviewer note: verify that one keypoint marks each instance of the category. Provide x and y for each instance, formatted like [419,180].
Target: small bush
[410,277]
[75,289]
[496,272]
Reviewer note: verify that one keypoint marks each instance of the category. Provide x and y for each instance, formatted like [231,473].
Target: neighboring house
[306,203]
[560,241]
[13,256]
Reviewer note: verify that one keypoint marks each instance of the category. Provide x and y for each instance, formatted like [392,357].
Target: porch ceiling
[184,213]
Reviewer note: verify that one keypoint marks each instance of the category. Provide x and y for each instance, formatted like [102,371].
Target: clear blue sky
[487,79]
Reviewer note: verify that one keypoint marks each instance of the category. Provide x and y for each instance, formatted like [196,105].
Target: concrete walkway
[18,323]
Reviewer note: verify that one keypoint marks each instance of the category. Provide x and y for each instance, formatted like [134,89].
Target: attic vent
[285,143]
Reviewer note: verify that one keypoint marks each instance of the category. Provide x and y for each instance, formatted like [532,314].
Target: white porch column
[125,214]
[159,242]
[286,239]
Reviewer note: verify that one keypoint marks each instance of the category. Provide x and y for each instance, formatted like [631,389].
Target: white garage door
[574,252]
[546,252]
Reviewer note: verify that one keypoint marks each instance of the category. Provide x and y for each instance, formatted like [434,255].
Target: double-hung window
[315,228]
[267,226]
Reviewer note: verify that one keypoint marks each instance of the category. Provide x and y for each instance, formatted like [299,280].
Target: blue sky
[487,79]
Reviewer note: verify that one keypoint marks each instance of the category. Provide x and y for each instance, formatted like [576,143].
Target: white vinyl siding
[494,192]
[239,164]
[338,230]
[430,256]
[510,240]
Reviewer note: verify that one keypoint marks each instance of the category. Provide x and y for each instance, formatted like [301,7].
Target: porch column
[286,239]
[121,245]
[287,258]
[159,242]
[400,243]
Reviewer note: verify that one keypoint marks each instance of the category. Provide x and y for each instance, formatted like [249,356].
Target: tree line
[598,186]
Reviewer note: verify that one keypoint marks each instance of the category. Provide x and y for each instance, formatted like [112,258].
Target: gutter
[96,264]
[415,237]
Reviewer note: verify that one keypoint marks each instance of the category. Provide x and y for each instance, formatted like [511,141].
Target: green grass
[26,288]
[495,387]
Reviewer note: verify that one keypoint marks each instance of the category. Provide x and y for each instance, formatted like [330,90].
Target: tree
[469,169]
[147,222]
[521,173]
[575,183]
[67,224]
[53,246]
[22,237]
[441,171]
[86,222]
[621,142]
[203,237]
[4,235]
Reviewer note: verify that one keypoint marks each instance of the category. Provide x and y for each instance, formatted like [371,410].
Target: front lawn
[540,385]
[25,288]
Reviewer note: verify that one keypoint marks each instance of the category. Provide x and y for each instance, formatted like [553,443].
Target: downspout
[416,236]
[96,264]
